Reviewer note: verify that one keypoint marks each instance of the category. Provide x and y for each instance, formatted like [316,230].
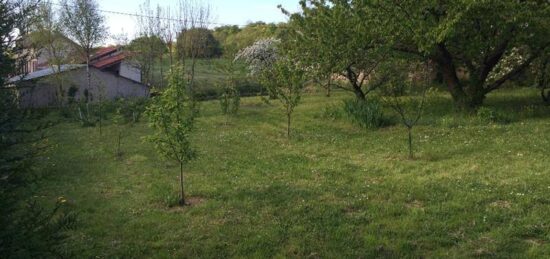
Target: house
[37,56]
[112,77]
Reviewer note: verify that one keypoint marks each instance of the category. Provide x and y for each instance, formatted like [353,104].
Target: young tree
[406,94]
[118,121]
[283,77]
[172,116]
[86,26]
[229,93]
[478,37]
[286,81]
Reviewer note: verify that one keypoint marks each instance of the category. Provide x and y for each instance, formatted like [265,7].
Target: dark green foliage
[229,99]
[147,50]
[233,39]
[478,46]
[365,114]
[229,95]
[26,228]
[33,231]
[197,43]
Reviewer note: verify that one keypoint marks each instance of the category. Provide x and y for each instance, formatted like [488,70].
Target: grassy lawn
[335,190]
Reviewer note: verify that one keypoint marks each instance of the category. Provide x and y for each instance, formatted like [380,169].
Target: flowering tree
[283,77]
[260,56]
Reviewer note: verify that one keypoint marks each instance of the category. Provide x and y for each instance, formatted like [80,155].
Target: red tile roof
[108,61]
[104,51]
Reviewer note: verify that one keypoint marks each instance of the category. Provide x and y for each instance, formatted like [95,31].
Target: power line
[154,17]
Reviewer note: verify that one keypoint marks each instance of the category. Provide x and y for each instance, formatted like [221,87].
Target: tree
[260,56]
[197,43]
[50,42]
[406,93]
[286,81]
[233,39]
[192,15]
[283,78]
[147,49]
[31,230]
[336,38]
[492,41]
[172,116]
[86,26]
[13,29]
[150,46]
[229,97]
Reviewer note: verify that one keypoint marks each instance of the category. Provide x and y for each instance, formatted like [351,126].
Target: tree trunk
[161,72]
[328,92]
[288,120]
[411,154]
[182,197]
[118,152]
[545,96]
[352,78]
[171,54]
[359,94]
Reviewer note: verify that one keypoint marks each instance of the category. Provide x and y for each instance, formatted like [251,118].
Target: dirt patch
[501,204]
[418,205]
[193,201]
[189,202]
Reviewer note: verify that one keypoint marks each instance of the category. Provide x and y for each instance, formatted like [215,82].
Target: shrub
[488,115]
[367,114]
[229,100]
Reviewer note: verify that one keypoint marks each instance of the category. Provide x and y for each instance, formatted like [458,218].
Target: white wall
[45,92]
[130,72]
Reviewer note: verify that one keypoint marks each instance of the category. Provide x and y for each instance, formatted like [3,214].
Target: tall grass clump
[366,114]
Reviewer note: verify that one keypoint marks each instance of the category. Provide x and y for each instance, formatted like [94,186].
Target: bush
[367,114]
[488,115]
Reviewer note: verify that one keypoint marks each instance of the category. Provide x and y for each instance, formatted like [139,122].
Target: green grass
[334,191]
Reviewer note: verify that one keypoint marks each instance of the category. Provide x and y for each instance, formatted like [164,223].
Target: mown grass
[476,188]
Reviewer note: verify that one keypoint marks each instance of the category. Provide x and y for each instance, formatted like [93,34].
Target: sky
[238,12]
